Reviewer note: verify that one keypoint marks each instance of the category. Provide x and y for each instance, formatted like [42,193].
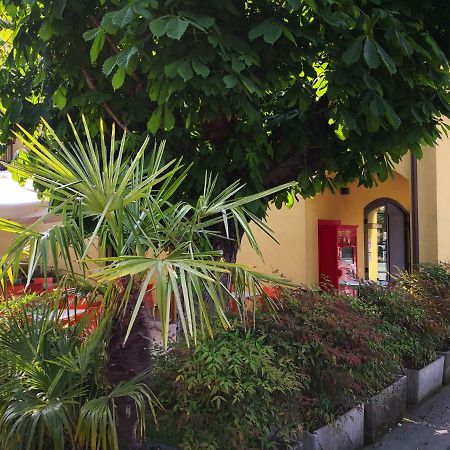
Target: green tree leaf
[405,45]
[373,84]
[171,69]
[91,34]
[201,22]
[124,57]
[377,106]
[158,26]
[109,65]
[123,17]
[289,35]
[185,70]
[387,60]
[118,78]
[154,123]
[373,122]
[46,31]
[236,64]
[176,27]
[97,46]
[273,32]
[353,53]
[200,68]
[259,30]
[230,81]
[340,132]
[59,97]
[169,119]
[58,8]
[391,116]
[108,24]
[371,53]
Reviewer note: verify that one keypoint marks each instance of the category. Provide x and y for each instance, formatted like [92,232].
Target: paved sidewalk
[426,427]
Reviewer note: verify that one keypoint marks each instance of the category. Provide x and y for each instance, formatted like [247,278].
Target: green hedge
[302,364]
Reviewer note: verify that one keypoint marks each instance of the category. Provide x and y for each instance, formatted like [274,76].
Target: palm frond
[131,200]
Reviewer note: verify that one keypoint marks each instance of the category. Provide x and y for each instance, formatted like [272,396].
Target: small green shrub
[230,392]
[431,280]
[412,320]
[430,285]
[335,345]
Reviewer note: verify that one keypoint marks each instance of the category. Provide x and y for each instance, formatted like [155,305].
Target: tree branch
[291,166]
[105,105]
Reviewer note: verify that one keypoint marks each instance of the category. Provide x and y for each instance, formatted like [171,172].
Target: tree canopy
[320,91]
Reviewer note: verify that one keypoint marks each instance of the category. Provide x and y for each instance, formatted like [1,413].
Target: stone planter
[423,383]
[384,410]
[156,330]
[446,355]
[346,433]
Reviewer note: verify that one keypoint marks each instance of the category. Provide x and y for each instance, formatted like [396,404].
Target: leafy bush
[335,345]
[51,389]
[230,392]
[430,285]
[413,320]
[431,280]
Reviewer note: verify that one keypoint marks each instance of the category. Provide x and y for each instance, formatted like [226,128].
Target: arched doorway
[386,239]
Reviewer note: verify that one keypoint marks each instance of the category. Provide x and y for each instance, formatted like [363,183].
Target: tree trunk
[229,247]
[125,361]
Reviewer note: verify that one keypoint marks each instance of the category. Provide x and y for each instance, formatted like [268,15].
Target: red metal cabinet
[338,255]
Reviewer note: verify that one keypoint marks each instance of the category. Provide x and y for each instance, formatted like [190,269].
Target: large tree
[323,91]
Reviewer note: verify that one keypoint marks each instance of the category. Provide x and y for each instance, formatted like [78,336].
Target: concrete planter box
[446,355]
[156,330]
[384,410]
[346,433]
[424,382]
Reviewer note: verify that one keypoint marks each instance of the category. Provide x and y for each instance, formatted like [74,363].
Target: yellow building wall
[443,199]
[296,256]
[427,199]
[403,167]
[287,258]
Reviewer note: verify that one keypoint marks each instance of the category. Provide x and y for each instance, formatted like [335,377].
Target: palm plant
[51,390]
[128,210]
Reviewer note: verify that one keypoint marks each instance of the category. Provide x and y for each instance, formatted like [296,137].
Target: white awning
[19,203]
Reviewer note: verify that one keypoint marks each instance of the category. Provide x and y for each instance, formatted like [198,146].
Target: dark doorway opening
[386,240]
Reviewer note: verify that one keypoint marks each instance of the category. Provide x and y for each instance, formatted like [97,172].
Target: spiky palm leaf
[51,391]
[133,206]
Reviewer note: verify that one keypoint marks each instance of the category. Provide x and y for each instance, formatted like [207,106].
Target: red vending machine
[338,255]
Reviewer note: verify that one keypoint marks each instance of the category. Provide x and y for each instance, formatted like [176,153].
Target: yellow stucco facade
[296,256]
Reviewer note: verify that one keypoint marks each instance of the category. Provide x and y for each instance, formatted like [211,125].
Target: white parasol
[19,203]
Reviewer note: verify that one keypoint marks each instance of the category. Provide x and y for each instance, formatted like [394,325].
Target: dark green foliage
[265,91]
[52,392]
[431,284]
[414,322]
[337,346]
[233,392]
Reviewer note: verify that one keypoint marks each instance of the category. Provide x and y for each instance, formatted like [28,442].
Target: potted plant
[231,391]
[345,357]
[418,330]
[431,282]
